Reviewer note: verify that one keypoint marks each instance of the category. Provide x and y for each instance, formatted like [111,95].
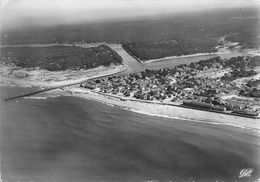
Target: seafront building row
[218,84]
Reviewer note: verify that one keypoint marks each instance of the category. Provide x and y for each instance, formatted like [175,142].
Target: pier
[29,94]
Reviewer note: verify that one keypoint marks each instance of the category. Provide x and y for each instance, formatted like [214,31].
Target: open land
[44,78]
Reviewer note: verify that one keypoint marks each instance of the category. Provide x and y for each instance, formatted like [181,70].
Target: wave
[43,97]
[171,117]
[53,96]
[192,120]
[36,97]
[6,84]
[11,84]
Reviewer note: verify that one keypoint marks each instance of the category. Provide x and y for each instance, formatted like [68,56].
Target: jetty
[59,87]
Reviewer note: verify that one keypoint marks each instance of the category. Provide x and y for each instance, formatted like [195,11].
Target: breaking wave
[35,97]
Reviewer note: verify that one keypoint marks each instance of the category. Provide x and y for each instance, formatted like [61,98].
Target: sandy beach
[162,110]
[182,56]
[222,54]
[44,78]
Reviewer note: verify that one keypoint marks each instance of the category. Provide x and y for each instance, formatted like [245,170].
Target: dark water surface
[71,139]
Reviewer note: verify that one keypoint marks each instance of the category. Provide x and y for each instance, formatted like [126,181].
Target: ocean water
[65,139]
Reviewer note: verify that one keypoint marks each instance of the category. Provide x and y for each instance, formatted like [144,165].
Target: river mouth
[135,66]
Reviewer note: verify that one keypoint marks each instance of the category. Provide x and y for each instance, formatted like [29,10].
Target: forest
[146,51]
[56,58]
[154,37]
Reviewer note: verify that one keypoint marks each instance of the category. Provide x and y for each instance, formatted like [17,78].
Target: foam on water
[155,115]
[35,97]
[74,139]
[192,120]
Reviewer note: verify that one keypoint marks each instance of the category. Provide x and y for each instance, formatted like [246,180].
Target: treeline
[155,50]
[251,89]
[241,24]
[250,93]
[57,58]
[241,67]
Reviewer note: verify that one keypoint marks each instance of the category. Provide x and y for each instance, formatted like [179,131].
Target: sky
[18,13]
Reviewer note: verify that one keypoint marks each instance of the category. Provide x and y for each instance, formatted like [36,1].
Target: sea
[68,139]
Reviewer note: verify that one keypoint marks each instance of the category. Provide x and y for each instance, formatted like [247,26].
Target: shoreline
[182,56]
[52,44]
[168,111]
[81,76]
[190,56]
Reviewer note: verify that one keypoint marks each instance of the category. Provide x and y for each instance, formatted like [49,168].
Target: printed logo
[245,173]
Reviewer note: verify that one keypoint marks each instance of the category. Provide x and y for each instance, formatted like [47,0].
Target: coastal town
[223,85]
[130,91]
[215,84]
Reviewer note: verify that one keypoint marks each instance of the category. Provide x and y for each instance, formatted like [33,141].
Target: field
[57,58]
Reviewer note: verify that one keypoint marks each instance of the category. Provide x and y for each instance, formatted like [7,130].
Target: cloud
[3,3]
